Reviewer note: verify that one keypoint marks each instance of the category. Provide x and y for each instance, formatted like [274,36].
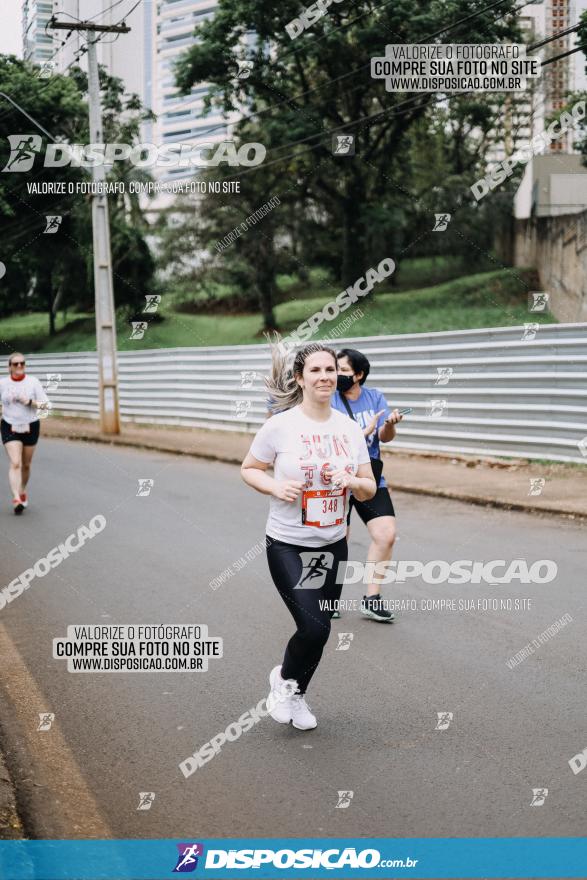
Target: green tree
[192,250]
[48,271]
[321,81]
[31,259]
[581,96]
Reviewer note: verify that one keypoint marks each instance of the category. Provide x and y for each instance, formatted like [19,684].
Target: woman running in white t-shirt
[21,396]
[318,457]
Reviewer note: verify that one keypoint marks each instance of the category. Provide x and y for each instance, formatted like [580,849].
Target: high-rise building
[179,118]
[526,113]
[555,182]
[37,42]
[143,59]
[563,77]
[522,114]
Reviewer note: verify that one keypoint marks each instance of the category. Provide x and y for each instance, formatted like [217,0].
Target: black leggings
[296,576]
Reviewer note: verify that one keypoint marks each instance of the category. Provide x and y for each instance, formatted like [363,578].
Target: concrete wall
[557,248]
[553,184]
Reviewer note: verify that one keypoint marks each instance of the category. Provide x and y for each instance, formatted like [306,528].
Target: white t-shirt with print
[19,413]
[300,448]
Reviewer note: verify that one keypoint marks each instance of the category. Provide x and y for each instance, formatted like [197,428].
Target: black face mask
[344,382]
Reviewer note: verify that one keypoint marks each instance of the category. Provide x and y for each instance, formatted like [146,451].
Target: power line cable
[564,55]
[550,39]
[414,98]
[331,131]
[104,11]
[352,73]
[374,116]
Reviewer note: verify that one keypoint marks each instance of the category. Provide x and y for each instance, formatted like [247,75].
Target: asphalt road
[118,734]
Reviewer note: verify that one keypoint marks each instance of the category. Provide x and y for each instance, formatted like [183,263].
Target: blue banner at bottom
[367,857]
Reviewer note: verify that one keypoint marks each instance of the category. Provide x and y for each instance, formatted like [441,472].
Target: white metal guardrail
[507,395]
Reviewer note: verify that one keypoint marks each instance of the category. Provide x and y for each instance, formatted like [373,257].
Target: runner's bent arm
[364,487]
[254,473]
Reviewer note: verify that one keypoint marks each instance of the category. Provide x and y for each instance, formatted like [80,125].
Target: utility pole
[103,284]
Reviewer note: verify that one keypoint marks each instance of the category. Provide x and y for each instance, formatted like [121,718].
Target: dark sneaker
[335,615]
[372,607]
[18,506]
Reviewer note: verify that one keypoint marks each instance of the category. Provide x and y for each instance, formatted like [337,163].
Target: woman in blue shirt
[369,408]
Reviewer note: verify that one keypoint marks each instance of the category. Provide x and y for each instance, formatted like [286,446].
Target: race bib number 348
[323,507]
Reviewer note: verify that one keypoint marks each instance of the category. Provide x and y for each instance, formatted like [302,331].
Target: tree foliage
[45,271]
[342,211]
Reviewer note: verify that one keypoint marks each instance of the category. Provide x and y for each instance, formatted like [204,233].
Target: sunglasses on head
[17,363]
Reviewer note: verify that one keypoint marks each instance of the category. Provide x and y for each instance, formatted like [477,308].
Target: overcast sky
[11,30]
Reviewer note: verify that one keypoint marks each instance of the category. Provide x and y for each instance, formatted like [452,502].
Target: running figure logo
[138,329]
[244,69]
[441,222]
[536,485]
[241,408]
[44,413]
[46,719]
[539,795]
[444,719]
[146,799]
[247,378]
[538,301]
[343,145]
[46,70]
[145,487]
[444,375]
[530,331]
[24,148]
[344,800]
[53,223]
[187,861]
[344,641]
[53,381]
[437,409]
[314,571]
[152,302]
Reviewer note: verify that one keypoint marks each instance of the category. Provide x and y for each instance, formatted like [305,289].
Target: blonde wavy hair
[281,384]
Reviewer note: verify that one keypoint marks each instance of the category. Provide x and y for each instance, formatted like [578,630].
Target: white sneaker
[301,716]
[279,699]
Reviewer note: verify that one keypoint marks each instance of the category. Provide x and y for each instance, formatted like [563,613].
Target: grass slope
[488,299]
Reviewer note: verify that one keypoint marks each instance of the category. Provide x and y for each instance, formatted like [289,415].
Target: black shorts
[380,505]
[29,439]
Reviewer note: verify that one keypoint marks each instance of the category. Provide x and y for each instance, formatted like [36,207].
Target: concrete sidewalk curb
[483,501]
[231,447]
[11,827]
